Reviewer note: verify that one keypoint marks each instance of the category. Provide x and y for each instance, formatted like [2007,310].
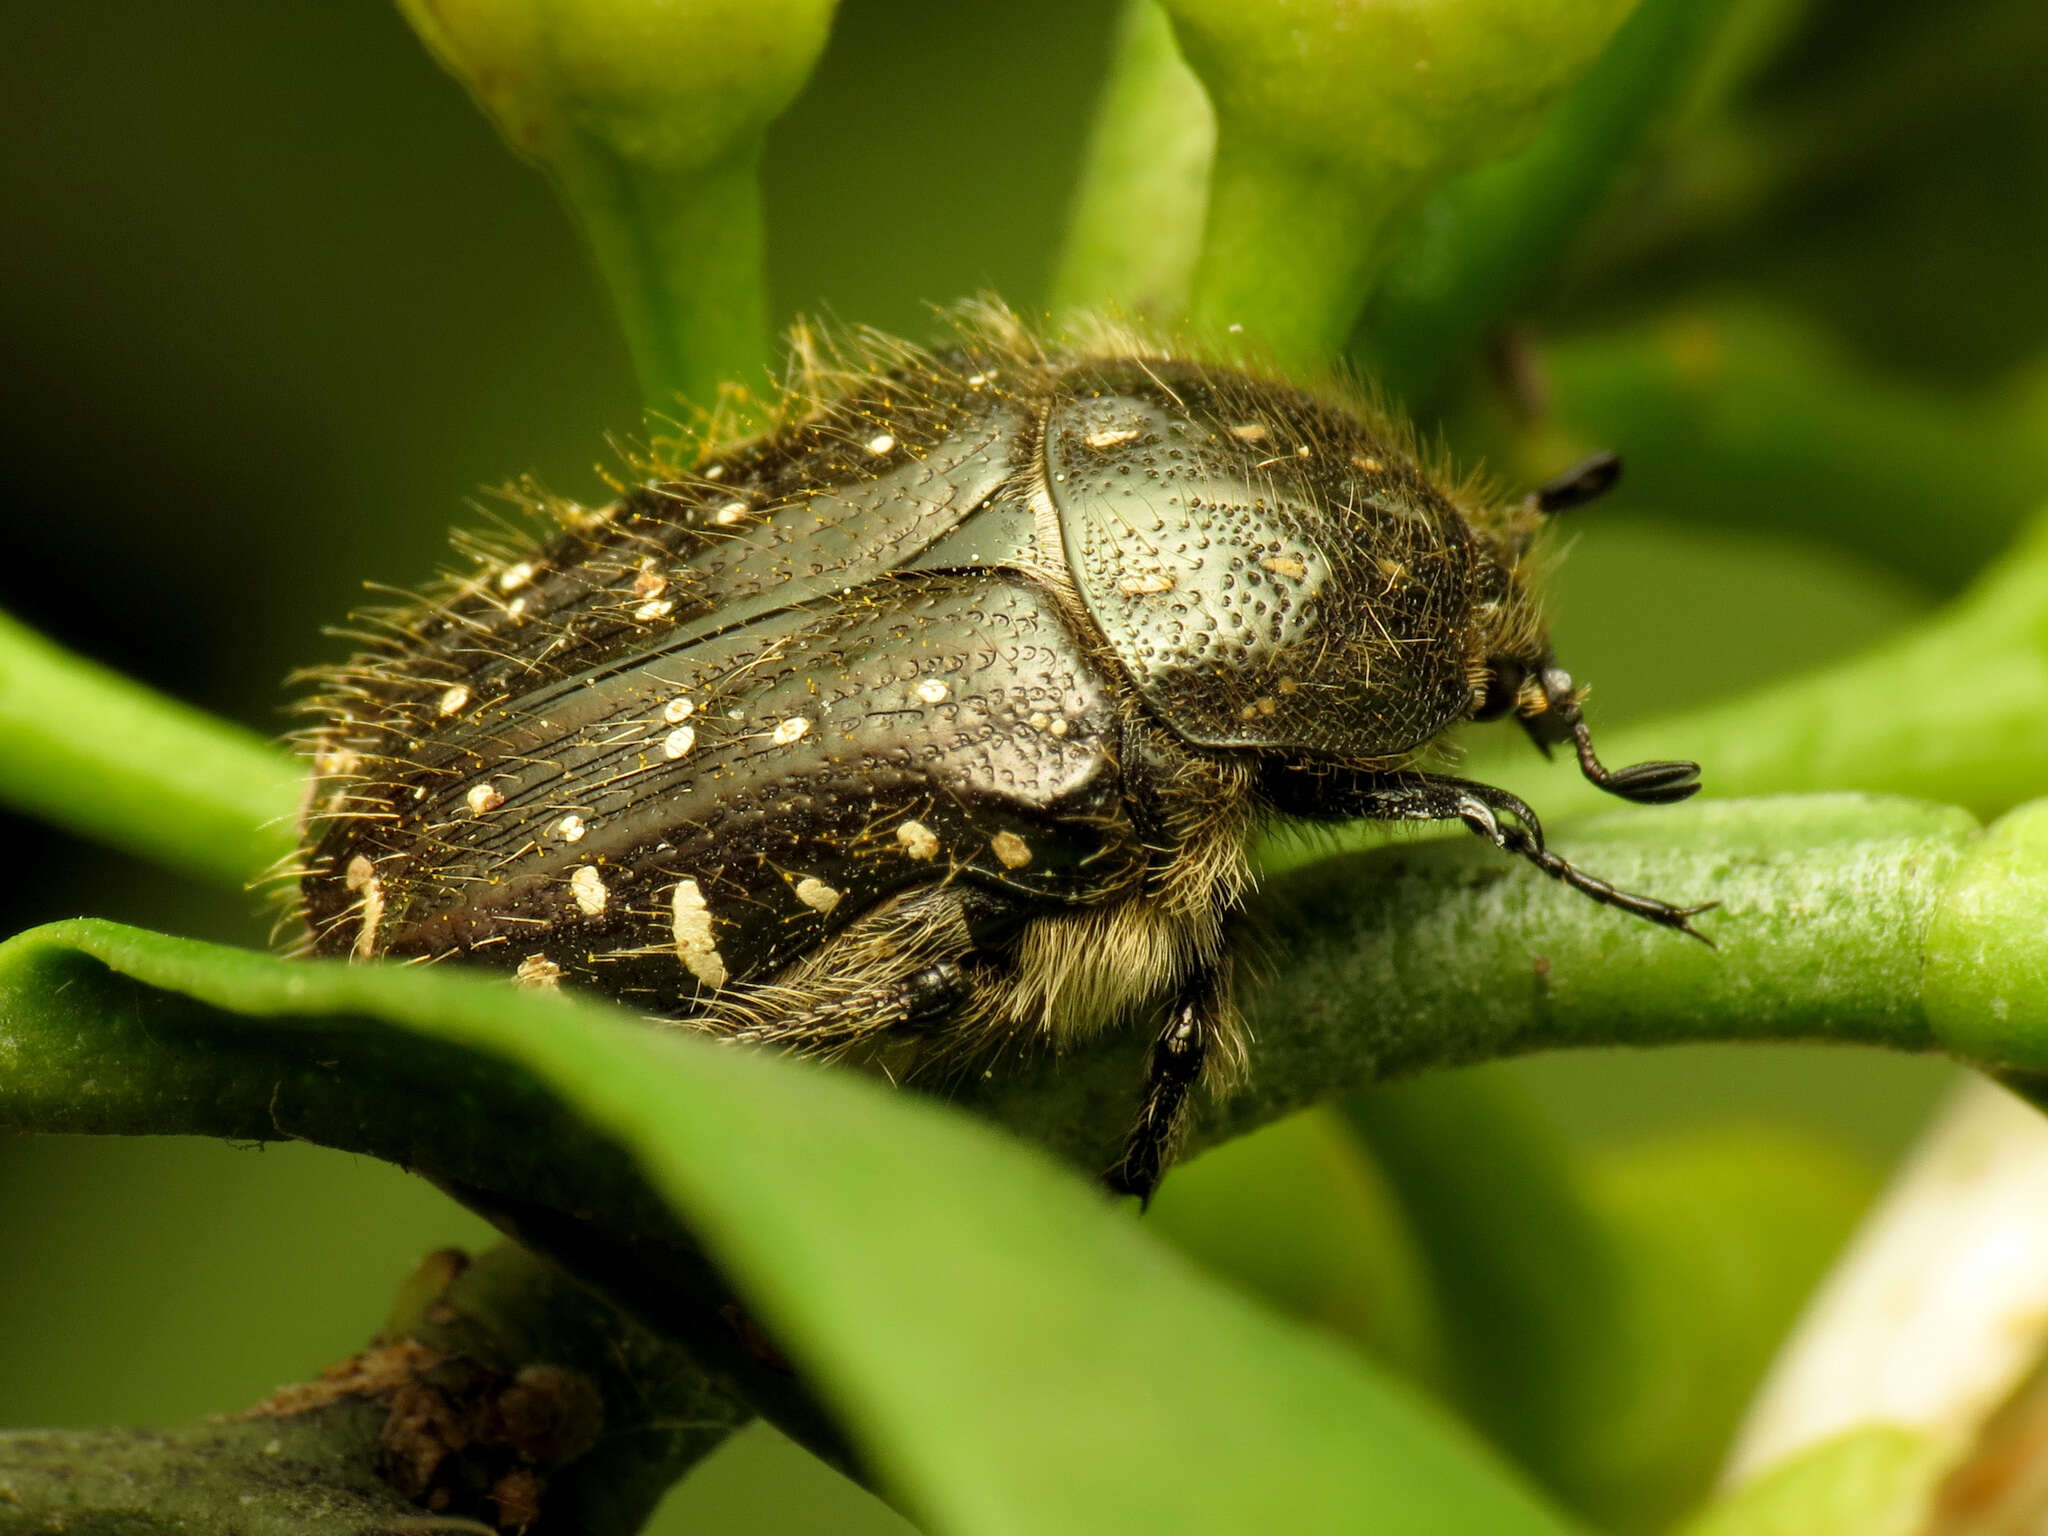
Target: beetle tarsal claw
[1477,815]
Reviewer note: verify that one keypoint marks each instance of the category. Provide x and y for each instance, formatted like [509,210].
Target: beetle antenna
[1587,480]
[1657,783]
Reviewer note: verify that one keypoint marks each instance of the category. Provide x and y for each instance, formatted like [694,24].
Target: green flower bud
[650,118]
[1332,116]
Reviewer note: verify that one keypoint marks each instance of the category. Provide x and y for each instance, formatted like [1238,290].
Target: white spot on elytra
[932,691]
[791,730]
[588,887]
[816,894]
[454,699]
[361,875]
[1281,565]
[654,608]
[513,577]
[1249,432]
[537,973]
[1011,849]
[1058,727]
[1146,585]
[1111,438]
[918,840]
[679,741]
[696,943]
[1039,720]
[676,711]
[730,513]
[880,444]
[483,797]
[571,828]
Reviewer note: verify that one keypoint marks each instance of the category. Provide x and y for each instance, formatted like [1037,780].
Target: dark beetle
[942,717]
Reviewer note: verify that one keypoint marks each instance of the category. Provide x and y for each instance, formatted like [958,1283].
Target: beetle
[938,719]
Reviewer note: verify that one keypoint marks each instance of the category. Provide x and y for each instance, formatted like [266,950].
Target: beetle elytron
[940,718]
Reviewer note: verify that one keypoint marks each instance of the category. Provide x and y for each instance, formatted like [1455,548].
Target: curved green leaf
[1007,1352]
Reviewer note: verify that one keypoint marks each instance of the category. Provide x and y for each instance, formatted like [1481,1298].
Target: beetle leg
[1195,1022]
[1494,814]
[834,1021]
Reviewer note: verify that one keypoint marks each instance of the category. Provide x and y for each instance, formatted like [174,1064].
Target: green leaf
[1609,1314]
[111,760]
[1007,1352]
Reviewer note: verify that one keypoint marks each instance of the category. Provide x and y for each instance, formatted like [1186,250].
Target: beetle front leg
[1195,1022]
[1494,814]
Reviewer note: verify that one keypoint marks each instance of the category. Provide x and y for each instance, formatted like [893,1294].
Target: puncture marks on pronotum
[938,719]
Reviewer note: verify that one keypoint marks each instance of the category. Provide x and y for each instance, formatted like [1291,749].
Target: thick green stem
[1287,252]
[106,757]
[683,256]
[1491,238]
[1332,119]
[649,117]
[1136,227]
[1431,954]
[309,1476]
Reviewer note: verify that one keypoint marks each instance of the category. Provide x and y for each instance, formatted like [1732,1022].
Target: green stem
[1487,241]
[309,1476]
[109,759]
[683,256]
[1288,249]
[1421,955]
[649,117]
[1135,230]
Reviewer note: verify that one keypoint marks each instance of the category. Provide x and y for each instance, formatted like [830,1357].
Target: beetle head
[1516,670]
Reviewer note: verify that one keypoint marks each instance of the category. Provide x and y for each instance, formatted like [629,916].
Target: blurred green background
[274,303]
